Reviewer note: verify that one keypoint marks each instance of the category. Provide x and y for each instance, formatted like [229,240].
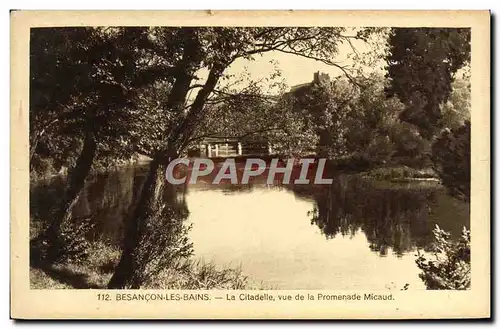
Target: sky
[295,69]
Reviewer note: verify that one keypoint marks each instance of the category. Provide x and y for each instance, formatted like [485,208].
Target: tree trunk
[150,200]
[76,182]
[146,209]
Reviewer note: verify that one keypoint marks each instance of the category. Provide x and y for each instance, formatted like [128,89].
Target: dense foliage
[422,63]
[451,157]
[84,82]
[358,121]
[422,71]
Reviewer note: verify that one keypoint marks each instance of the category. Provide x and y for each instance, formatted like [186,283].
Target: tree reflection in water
[392,216]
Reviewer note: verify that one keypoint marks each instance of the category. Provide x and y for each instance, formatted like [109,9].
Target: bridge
[231,147]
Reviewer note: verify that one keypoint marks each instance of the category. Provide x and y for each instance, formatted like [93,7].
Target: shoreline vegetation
[138,159]
[402,174]
[388,172]
[97,270]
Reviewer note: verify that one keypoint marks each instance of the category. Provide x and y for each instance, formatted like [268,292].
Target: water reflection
[355,233]
[392,216]
[107,199]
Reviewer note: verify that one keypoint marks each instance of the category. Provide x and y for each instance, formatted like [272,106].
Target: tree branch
[327,62]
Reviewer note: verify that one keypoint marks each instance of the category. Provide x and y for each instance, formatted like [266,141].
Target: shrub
[70,245]
[451,267]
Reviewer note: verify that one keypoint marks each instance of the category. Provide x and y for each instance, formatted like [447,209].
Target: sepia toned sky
[297,70]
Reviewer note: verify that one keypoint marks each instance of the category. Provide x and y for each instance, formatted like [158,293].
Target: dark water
[354,234]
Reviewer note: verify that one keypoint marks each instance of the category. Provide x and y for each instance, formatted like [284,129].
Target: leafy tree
[326,105]
[240,107]
[83,83]
[356,119]
[451,150]
[422,63]
[457,109]
[451,157]
[374,128]
[151,122]
[259,111]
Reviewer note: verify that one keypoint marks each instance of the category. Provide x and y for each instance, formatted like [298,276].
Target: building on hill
[318,77]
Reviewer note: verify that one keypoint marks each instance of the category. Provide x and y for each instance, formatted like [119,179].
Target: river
[355,234]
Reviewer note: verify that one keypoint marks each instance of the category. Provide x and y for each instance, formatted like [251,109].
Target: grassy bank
[96,271]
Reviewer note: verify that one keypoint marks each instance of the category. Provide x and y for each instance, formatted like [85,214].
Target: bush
[451,267]
[70,245]
[399,173]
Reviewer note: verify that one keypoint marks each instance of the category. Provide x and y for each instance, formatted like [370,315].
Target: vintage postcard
[250,164]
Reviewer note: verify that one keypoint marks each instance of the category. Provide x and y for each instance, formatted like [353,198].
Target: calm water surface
[354,234]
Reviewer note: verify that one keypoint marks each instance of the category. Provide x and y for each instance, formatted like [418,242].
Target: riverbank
[350,164]
[401,174]
[95,271]
[49,173]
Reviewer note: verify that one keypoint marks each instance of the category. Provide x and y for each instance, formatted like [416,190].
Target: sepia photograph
[250,160]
